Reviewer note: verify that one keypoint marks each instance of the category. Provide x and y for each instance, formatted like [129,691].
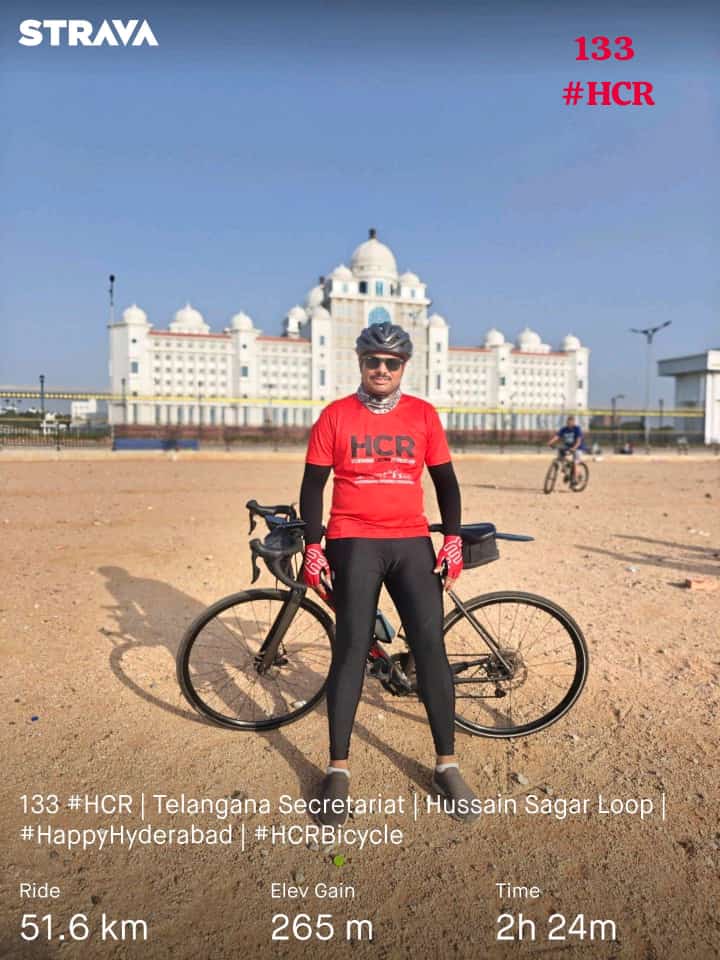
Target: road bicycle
[564,462]
[259,659]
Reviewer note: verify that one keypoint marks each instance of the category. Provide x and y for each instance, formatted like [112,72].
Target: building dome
[409,278]
[189,320]
[570,343]
[241,321]
[436,321]
[320,313]
[315,297]
[134,314]
[374,259]
[493,338]
[528,340]
[342,273]
[297,314]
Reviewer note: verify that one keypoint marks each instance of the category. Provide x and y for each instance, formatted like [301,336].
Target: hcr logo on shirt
[383,445]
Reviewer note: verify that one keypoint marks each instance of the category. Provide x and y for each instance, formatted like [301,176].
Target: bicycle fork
[267,654]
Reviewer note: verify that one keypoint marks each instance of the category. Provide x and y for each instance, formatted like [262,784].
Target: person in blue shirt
[570,439]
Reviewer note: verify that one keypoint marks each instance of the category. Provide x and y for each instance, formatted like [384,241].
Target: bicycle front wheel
[217,663]
[544,648]
[550,477]
[582,475]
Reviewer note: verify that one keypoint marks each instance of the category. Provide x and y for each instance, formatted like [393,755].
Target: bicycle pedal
[378,668]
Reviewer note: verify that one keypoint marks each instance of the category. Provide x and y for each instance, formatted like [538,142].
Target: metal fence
[60,436]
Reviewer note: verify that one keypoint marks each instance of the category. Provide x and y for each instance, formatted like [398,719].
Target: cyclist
[377,441]
[570,439]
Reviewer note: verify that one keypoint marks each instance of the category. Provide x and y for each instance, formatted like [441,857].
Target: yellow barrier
[296,402]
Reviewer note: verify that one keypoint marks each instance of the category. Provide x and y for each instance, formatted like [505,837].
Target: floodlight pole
[649,334]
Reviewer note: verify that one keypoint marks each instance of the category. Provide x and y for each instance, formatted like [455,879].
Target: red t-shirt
[378,459]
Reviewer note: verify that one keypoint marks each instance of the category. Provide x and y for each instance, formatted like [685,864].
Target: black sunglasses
[391,364]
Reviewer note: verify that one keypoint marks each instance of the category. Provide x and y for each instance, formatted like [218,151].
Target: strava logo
[84,33]
[382,447]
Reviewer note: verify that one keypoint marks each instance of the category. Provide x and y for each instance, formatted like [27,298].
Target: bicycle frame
[481,631]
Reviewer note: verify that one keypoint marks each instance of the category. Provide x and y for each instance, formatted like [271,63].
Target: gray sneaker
[457,796]
[335,787]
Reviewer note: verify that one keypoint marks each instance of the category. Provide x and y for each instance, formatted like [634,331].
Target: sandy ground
[105,561]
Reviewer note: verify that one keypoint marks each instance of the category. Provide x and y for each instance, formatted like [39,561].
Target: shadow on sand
[152,614]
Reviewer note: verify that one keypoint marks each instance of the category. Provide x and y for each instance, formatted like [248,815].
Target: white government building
[187,374]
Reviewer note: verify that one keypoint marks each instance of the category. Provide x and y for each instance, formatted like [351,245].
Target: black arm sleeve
[311,500]
[448,497]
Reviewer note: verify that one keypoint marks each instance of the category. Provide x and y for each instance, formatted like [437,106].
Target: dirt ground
[105,562]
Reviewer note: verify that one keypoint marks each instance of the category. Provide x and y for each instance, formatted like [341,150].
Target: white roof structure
[189,320]
[241,321]
[528,340]
[134,314]
[493,338]
[374,259]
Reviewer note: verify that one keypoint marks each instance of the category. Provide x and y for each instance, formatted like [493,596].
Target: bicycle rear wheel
[550,477]
[217,666]
[545,648]
[582,475]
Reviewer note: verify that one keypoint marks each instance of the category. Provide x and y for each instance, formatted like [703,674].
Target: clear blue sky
[251,151]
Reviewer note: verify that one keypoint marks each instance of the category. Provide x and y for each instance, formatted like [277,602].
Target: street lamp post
[649,334]
[124,399]
[42,396]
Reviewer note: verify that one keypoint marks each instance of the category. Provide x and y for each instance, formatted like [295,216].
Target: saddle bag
[479,544]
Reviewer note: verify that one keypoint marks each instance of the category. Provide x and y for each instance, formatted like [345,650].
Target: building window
[412,293]
[438,382]
[378,288]
[378,315]
[580,384]
[502,381]
[244,371]
[322,377]
[322,340]
[362,286]
[438,347]
[134,366]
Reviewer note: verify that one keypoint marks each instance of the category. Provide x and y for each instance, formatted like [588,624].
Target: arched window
[378,315]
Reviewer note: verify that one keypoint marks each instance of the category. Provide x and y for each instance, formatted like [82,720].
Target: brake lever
[255,567]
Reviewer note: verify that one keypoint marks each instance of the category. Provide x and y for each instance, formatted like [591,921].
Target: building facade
[188,374]
[697,385]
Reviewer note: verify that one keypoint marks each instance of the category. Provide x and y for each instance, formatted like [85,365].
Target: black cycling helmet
[384,338]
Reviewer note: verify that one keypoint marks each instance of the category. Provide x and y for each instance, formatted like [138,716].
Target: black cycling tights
[360,567]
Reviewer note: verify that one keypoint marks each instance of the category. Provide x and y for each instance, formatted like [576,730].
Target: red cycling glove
[451,554]
[315,565]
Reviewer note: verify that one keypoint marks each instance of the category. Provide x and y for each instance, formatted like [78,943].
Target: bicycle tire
[550,477]
[582,475]
[207,692]
[568,633]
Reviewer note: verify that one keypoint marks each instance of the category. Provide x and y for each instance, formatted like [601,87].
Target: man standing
[570,438]
[377,442]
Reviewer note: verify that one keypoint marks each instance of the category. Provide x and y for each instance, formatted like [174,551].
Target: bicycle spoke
[222,661]
[541,650]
